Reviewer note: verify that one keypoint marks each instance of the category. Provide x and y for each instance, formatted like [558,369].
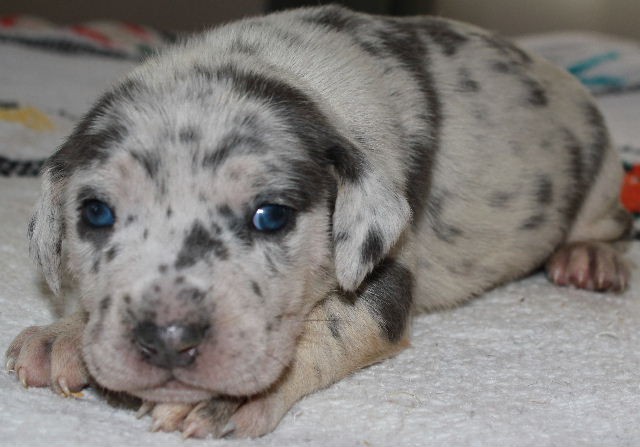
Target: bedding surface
[527,364]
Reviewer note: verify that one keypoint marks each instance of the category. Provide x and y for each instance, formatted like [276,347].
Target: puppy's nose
[169,346]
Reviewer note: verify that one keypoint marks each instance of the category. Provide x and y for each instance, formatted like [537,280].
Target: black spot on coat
[500,199]
[232,144]
[333,323]
[372,246]
[543,192]
[536,94]
[447,38]
[443,230]
[189,135]
[256,288]
[111,253]
[149,161]
[387,292]
[533,222]
[198,245]
[466,83]
[332,17]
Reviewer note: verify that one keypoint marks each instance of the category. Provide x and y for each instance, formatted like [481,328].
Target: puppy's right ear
[46,231]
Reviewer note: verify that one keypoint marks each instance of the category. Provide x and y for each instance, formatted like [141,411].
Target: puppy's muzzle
[174,345]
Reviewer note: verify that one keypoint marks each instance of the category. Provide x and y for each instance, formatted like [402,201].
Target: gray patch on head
[86,145]
[198,245]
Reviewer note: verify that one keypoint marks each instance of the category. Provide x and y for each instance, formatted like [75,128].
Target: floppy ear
[46,231]
[371,212]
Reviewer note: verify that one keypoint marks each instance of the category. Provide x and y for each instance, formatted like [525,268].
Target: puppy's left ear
[370,214]
[46,231]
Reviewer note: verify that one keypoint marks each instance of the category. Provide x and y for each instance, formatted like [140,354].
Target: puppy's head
[203,214]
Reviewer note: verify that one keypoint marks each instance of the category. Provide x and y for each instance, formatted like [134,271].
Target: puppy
[256,212]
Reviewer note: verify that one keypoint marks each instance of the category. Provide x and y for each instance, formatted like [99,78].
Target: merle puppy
[256,212]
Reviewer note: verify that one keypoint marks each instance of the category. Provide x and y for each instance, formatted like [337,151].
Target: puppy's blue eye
[271,217]
[97,214]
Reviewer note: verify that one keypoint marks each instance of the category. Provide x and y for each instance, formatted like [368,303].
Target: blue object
[581,68]
[270,218]
[97,214]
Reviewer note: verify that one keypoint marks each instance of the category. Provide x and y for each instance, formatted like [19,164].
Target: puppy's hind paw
[596,266]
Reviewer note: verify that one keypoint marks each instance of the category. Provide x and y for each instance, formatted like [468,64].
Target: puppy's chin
[173,391]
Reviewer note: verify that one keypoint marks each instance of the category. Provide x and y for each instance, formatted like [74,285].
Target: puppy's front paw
[210,418]
[589,265]
[50,356]
[217,418]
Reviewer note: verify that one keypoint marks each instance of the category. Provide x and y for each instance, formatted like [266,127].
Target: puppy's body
[425,160]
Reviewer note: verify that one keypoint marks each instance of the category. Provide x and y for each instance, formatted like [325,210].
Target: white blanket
[526,364]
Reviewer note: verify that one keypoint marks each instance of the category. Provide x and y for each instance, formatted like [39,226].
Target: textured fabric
[528,364]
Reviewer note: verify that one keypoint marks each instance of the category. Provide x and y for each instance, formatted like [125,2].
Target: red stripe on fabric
[92,34]
[136,29]
[8,21]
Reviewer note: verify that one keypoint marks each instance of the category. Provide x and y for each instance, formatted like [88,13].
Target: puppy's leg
[51,355]
[592,257]
[340,337]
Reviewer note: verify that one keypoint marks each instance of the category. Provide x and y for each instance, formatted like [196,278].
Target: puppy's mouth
[173,391]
